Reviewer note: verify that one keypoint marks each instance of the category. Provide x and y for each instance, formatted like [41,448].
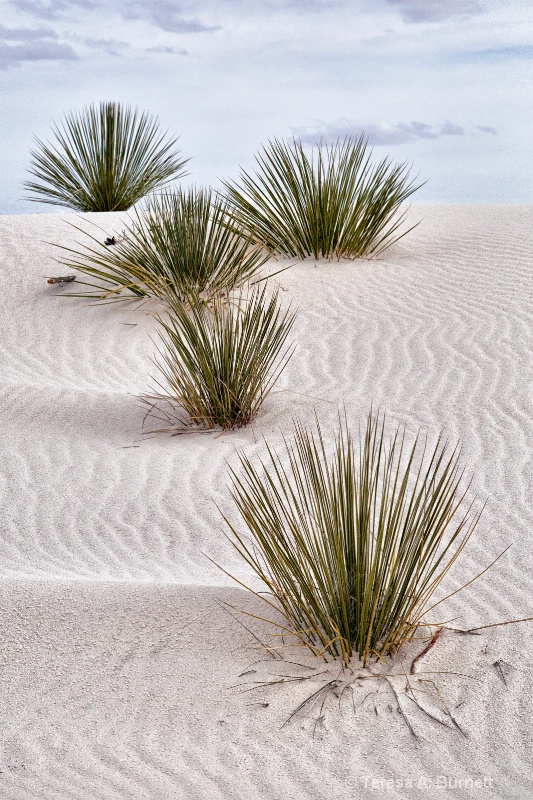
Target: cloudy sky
[444,84]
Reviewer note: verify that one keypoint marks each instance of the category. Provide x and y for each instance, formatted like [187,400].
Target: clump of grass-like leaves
[104,158]
[353,546]
[218,363]
[335,203]
[182,245]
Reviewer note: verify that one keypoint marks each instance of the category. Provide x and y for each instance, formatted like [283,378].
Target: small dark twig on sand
[424,651]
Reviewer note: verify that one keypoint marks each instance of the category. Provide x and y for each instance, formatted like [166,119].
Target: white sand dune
[118,665]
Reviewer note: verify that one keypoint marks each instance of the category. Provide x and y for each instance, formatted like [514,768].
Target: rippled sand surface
[119,668]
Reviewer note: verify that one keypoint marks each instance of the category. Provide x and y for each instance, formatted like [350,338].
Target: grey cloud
[177,17]
[449,129]
[50,9]
[487,129]
[415,130]
[111,46]
[25,34]
[435,10]
[302,5]
[31,44]
[166,15]
[14,55]
[38,8]
[378,133]
[176,51]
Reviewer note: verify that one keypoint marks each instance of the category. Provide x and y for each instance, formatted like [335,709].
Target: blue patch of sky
[493,53]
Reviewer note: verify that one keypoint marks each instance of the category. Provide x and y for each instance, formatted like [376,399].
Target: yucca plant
[180,246]
[218,363]
[335,203]
[351,547]
[104,158]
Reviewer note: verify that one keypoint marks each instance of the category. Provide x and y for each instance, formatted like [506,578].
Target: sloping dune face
[119,663]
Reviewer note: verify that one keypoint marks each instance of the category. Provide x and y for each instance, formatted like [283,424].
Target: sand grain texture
[117,661]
